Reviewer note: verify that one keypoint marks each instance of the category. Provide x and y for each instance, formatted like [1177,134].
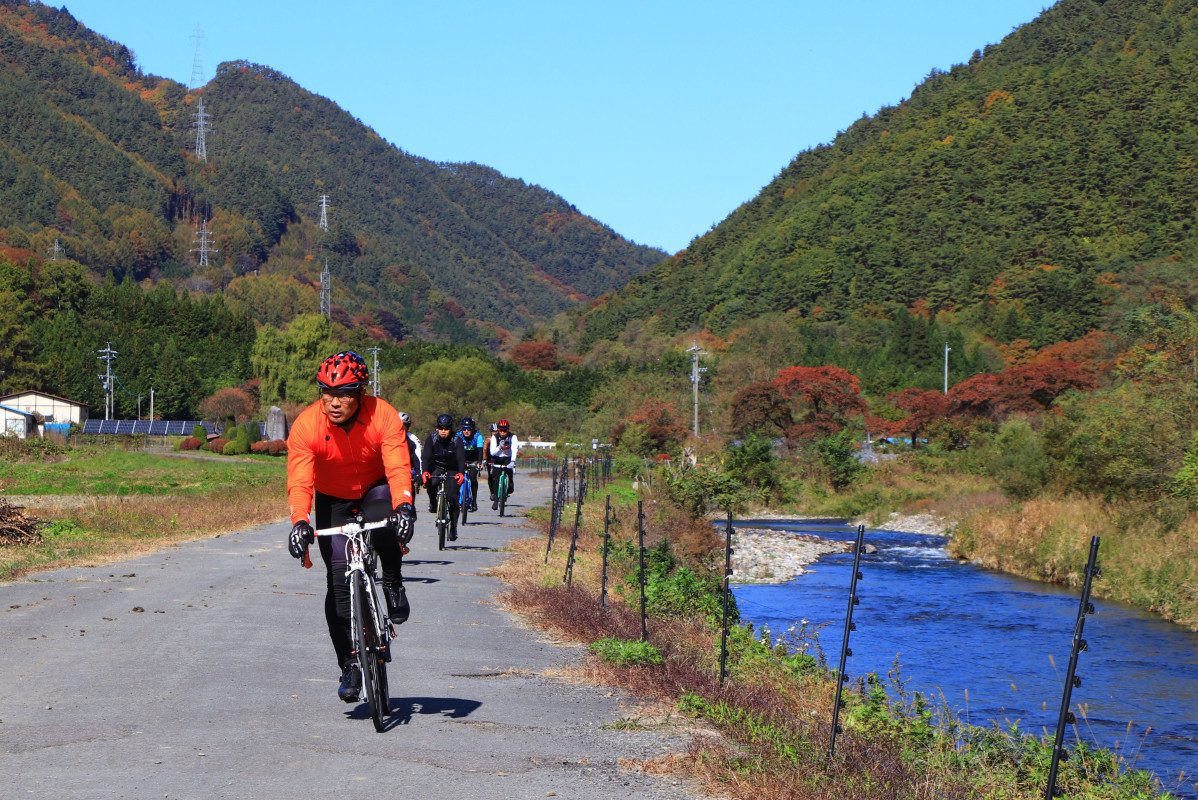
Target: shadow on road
[404,708]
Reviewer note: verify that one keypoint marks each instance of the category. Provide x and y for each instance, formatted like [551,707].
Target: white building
[14,422]
[52,409]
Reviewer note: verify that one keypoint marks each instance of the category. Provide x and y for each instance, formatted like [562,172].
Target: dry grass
[1146,561]
[98,530]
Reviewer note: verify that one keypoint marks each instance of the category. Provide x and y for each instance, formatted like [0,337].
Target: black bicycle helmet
[467,423]
[444,421]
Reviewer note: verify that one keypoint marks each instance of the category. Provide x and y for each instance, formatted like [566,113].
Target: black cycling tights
[330,512]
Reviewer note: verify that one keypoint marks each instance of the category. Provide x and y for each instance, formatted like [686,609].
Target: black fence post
[555,513]
[1066,716]
[841,678]
[640,529]
[568,578]
[724,624]
[606,545]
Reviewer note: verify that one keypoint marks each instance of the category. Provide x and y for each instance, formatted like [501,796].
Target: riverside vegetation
[764,730]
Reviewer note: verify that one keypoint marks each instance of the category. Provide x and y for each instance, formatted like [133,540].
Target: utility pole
[151,402]
[946,350]
[107,355]
[376,383]
[202,127]
[326,292]
[696,370]
[324,212]
[139,397]
[204,240]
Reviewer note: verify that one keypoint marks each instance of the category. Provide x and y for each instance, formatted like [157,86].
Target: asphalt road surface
[205,671]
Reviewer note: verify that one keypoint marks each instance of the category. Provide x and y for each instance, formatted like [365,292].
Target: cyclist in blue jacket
[474,444]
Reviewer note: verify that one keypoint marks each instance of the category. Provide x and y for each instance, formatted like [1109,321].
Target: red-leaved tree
[1029,389]
[229,400]
[535,355]
[761,408]
[826,397]
[923,407]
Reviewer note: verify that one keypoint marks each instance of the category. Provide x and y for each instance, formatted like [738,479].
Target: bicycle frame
[360,559]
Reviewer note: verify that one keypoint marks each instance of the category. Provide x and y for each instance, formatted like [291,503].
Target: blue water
[997,647]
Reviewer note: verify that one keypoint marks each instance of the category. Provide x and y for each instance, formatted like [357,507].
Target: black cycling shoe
[473,507]
[494,505]
[397,602]
[351,684]
[453,534]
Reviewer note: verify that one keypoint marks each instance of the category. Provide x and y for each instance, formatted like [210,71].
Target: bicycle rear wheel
[370,655]
[464,505]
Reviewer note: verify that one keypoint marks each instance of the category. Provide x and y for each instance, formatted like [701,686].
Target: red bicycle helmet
[503,426]
[344,370]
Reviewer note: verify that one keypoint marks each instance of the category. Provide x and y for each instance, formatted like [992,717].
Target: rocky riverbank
[764,555]
[761,555]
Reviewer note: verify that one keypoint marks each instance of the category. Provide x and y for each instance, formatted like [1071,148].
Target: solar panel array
[150,427]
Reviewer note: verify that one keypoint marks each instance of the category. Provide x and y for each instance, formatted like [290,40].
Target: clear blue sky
[658,118]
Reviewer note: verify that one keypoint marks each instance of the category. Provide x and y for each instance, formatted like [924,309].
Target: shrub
[199,432]
[236,447]
[276,447]
[1017,460]
[752,462]
[217,445]
[839,455]
[626,653]
[697,489]
[254,431]
[261,448]
[189,443]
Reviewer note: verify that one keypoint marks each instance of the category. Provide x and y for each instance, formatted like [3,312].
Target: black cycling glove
[301,536]
[404,522]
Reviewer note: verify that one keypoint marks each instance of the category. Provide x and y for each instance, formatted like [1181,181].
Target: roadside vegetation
[767,725]
[101,502]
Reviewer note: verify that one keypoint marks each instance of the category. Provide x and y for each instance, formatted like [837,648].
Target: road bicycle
[503,484]
[443,526]
[465,493]
[370,627]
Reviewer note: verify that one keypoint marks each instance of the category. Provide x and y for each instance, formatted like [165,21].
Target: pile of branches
[17,527]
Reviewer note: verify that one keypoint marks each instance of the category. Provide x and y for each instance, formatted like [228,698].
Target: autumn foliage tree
[923,407]
[826,397]
[1029,389]
[535,355]
[656,427]
[228,401]
[761,408]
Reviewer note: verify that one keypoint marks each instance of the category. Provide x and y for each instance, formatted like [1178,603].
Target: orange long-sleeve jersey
[323,457]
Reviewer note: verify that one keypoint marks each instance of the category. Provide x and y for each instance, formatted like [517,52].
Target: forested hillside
[1014,192]
[101,157]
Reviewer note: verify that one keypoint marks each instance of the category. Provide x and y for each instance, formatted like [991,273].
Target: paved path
[205,671]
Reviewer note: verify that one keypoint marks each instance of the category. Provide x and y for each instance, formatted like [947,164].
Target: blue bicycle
[465,495]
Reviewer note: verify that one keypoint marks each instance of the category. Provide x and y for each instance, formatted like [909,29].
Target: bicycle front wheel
[370,655]
[503,491]
[442,522]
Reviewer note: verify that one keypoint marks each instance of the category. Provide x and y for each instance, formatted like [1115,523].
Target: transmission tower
[376,383]
[204,240]
[324,212]
[107,379]
[197,63]
[56,252]
[202,125]
[326,291]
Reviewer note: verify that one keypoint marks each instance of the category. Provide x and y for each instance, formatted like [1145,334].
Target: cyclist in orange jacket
[349,452]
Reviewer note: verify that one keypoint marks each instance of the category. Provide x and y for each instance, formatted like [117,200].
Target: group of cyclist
[351,454]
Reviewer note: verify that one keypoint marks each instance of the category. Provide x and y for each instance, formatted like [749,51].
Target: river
[997,646]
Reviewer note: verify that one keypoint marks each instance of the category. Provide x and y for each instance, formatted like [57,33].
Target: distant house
[14,422]
[51,409]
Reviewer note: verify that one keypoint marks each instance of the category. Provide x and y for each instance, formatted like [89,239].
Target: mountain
[101,157]
[1013,191]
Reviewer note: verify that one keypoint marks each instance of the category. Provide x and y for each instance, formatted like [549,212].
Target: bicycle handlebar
[351,527]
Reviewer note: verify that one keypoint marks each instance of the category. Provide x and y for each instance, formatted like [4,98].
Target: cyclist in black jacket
[444,457]
[474,444]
